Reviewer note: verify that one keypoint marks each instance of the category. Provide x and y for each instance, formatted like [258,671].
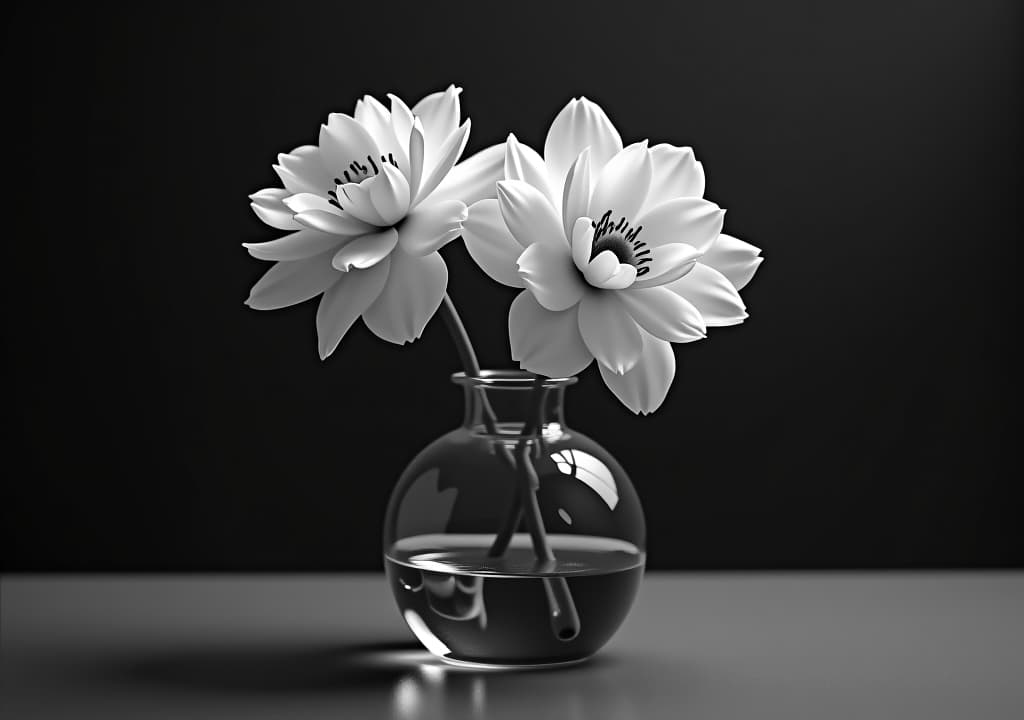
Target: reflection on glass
[590,471]
[424,635]
[456,597]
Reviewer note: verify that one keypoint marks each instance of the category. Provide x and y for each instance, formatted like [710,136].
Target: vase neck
[503,402]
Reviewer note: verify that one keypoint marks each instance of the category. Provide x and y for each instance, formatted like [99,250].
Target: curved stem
[470,365]
[565,621]
[459,336]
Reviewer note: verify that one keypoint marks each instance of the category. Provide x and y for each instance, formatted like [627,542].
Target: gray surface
[696,646]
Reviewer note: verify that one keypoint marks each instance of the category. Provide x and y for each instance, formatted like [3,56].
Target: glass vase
[514,540]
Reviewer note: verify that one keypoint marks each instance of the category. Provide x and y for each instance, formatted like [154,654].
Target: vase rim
[510,379]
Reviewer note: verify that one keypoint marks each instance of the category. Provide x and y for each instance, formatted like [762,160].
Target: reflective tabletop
[826,645]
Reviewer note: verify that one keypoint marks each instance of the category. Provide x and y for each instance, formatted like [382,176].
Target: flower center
[357,172]
[622,239]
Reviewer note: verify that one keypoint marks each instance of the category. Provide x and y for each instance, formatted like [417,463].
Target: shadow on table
[268,668]
[397,678]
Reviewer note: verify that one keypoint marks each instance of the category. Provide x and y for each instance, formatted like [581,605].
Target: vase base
[477,665]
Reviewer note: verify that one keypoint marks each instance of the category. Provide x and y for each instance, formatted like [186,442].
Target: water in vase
[466,605]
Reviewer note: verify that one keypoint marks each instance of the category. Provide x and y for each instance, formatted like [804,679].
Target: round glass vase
[513,539]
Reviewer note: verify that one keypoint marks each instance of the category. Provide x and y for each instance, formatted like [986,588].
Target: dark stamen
[605,238]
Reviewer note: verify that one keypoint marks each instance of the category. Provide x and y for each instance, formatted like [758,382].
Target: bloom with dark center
[367,209]
[617,251]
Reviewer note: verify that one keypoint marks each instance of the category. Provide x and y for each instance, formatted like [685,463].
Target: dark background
[859,418]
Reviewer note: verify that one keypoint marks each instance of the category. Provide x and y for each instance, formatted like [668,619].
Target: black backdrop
[858,419]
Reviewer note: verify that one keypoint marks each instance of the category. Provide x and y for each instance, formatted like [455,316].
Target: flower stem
[470,365]
[460,337]
[515,510]
[565,621]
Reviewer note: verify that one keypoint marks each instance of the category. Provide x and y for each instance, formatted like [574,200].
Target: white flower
[619,254]
[369,207]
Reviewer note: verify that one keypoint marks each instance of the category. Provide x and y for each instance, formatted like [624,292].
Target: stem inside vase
[565,622]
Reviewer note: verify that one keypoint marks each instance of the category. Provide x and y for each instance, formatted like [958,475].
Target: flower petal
[675,173]
[523,163]
[545,342]
[490,244]
[601,267]
[668,263]
[365,251]
[448,155]
[439,112]
[735,259]
[692,221]
[416,150]
[389,193]
[301,202]
[548,271]
[373,116]
[623,277]
[345,301]
[334,222]
[528,214]
[579,125]
[431,226]
[414,290]
[401,119]
[582,242]
[303,171]
[269,207]
[576,193]
[355,199]
[643,389]
[623,183]
[711,292]
[343,141]
[609,331]
[664,314]
[474,178]
[289,283]
[295,246]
